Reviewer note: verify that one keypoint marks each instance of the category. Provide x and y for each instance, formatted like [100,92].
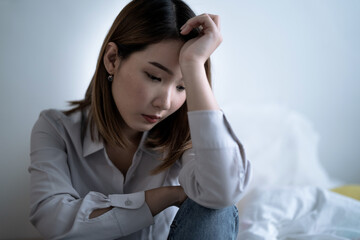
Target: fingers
[208,22]
[216,20]
[199,49]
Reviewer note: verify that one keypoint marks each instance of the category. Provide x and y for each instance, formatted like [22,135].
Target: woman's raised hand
[199,49]
[193,55]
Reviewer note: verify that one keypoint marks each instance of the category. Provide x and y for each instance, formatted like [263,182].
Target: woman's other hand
[181,196]
[161,198]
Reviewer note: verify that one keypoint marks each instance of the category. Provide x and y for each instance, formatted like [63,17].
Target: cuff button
[128,202]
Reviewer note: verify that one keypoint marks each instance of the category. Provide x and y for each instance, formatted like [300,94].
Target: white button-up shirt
[71,176]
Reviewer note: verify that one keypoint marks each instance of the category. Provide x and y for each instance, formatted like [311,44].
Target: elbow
[48,222]
[216,202]
[223,195]
[215,198]
[221,203]
[226,198]
[43,227]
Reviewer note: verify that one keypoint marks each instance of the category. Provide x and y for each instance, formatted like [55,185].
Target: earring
[110,78]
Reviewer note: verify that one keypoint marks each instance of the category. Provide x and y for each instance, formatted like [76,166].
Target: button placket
[133,166]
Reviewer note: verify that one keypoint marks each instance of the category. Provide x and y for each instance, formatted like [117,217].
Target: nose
[162,100]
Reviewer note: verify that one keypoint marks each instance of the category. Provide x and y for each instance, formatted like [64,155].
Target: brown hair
[139,24]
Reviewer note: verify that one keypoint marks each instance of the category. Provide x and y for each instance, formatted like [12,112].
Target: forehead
[165,52]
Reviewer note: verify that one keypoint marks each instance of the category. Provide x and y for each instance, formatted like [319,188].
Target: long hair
[139,24]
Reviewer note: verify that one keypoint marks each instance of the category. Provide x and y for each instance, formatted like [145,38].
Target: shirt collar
[90,146]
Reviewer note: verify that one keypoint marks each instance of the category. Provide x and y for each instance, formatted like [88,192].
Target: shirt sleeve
[56,208]
[215,171]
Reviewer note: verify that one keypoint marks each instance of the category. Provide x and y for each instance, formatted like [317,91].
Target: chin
[143,128]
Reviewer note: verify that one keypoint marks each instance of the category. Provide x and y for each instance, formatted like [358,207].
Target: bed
[291,195]
[298,213]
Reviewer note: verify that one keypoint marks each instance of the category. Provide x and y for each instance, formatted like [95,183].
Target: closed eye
[180,88]
[152,77]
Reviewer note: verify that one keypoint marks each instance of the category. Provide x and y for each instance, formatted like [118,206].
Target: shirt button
[128,202]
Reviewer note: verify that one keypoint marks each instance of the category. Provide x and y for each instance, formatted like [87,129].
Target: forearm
[161,198]
[215,172]
[199,95]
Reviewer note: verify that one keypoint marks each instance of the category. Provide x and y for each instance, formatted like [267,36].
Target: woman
[116,164]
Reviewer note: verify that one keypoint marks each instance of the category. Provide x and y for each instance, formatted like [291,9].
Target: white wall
[304,55]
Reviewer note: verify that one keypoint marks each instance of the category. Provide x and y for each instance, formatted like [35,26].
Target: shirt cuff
[131,220]
[129,201]
[209,130]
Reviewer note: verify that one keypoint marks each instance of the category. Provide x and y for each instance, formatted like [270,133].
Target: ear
[111,58]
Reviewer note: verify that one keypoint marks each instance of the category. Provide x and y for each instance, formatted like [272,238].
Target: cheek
[178,102]
[136,88]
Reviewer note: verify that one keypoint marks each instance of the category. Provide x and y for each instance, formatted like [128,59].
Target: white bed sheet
[301,213]
[292,202]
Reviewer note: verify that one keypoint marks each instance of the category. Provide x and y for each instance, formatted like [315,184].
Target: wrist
[193,73]
[191,64]
[180,196]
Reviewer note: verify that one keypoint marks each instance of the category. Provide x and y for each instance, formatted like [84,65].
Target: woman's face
[148,86]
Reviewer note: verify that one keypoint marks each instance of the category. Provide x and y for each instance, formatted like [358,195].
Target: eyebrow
[162,67]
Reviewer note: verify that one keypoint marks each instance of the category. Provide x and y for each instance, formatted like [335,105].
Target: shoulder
[55,115]
[58,116]
[57,120]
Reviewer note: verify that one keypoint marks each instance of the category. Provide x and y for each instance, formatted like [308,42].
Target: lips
[151,118]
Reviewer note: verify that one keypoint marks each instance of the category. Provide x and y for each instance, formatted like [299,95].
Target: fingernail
[183,26]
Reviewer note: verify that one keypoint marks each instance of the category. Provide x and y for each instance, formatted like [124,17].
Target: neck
[132,144]
[134,138]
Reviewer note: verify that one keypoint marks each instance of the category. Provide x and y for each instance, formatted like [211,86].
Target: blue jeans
[193,221]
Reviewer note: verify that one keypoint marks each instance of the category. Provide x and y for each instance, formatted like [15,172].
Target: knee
[230,211]
[194,221]
[221,217]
